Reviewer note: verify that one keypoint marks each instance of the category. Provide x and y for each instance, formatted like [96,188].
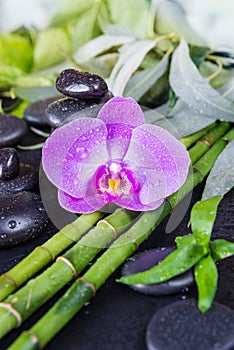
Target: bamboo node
[207,142]
[34,339]
[11,279]
[12,311]
[133,239]
[69,264]
[107,223]
[46,249]
[88,284]
[197,169]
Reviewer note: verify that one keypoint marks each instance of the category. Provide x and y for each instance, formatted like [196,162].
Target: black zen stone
[12,129]
[181,326]
[34,114]
[27,180]
[8,103]
[66,109]
[144,261]
[9,163]
[22,217]
[84,85]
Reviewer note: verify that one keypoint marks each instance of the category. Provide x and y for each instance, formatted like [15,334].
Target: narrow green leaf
[16,51]
[202,218]
[100,44]
[171,17]
[221,177]
[131,14]
[8,74]
[174,264]
[186,120]
[221,249]
[51,46]
[142,81]
[35,93]
[206,276]
[192,88]
[68,11]
[183,241]
[131,56]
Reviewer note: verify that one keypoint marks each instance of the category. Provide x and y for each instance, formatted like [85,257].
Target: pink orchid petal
[135,204]
[83,158]
[121,116]
[75,205]
[152,148]
[57,145]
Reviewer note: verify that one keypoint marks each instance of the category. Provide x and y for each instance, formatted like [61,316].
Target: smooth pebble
[27,179]
[182,326]
[144,261]
[22,217]
[12,129]
[84,85]
[9,163]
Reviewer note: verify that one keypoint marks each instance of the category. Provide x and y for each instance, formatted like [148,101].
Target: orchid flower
[115,157]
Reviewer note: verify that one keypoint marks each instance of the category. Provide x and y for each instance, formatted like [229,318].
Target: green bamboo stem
[29,298]
[83,288]
[189,140]
[208,140]
[43,255]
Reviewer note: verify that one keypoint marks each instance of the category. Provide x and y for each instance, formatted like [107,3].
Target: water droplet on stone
[12,224]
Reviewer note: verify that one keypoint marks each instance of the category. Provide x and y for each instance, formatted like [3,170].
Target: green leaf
[171,17]
[185,120]
[206,277]
[8,74]
[174,264]
[183,241]
[51,47]
[16,51]
[68,11]
[142,81]
[131,14]
[202,219]
[221,177]
[221,249]
[131,56]
[35,93]
[100,44]
[192,88]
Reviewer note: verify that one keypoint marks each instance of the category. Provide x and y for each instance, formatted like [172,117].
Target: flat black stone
[146,260]
[12,129]
[27,180]
[84,85]
[9,163]
[8,103]
[66,109]
[22,217]
[34,114]
[181,326]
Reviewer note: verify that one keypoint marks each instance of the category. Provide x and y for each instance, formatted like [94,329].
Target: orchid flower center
[115,179]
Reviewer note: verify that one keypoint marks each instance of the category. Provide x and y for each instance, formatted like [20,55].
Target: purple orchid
[115,157]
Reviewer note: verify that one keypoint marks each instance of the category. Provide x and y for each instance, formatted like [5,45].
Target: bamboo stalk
[84,288]
[67,267]
[189,140]
[43,255]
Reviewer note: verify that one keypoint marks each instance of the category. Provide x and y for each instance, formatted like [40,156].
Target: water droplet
[3,236]
[2,217]
[12,224]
